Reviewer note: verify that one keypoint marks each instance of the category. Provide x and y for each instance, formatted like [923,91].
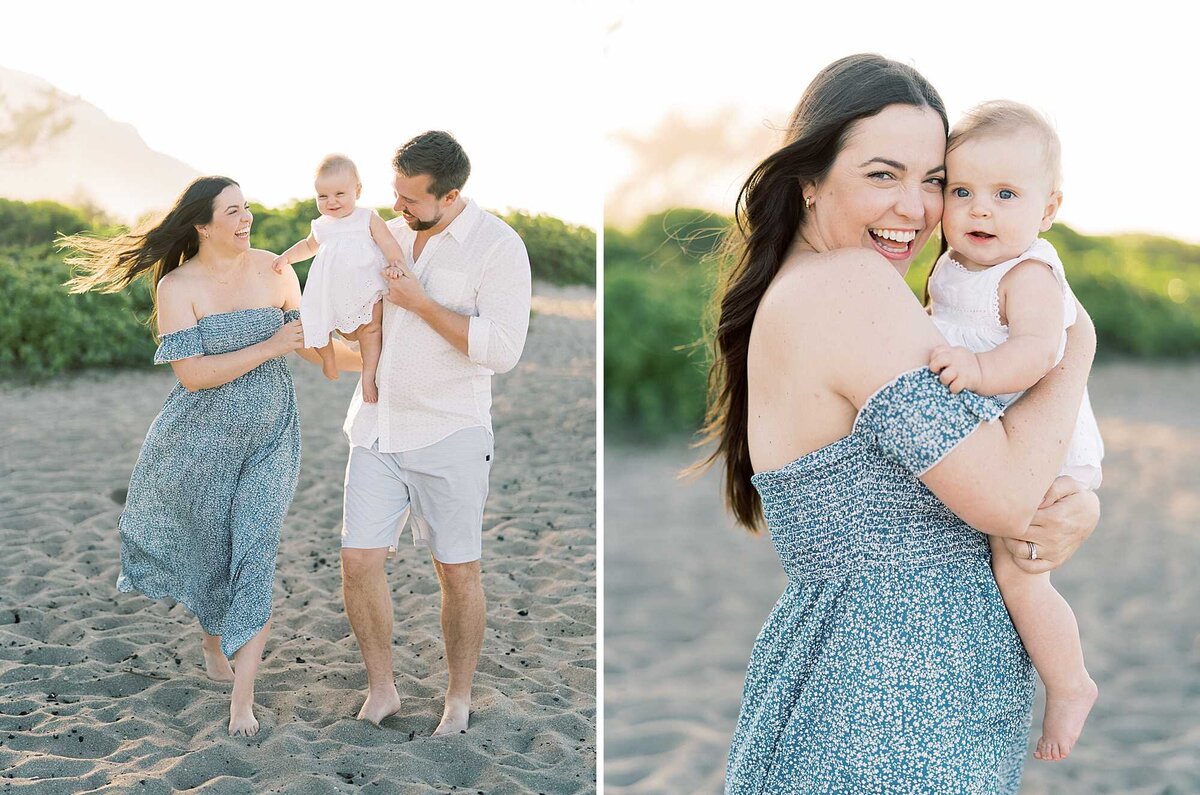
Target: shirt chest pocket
[449,288]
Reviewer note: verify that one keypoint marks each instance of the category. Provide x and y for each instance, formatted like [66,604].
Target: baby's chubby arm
[388,245]
[1032,300]
[298,253]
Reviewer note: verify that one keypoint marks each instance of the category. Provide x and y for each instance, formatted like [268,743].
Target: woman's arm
[175,313]
[1067,516]
[997,476]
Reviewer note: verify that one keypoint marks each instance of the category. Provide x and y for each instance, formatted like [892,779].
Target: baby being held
[345,286]
[1000,297]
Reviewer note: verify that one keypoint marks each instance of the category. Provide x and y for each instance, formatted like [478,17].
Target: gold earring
[808,202]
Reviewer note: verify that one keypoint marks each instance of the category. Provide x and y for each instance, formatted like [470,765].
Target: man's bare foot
[370,391]
[241,717]
[1063,721]
[379,705]
[215,663]
[454,718]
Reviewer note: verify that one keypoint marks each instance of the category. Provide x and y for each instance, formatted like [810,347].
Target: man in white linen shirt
[458,313]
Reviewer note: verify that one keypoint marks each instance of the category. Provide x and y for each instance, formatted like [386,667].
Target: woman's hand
[289,337]
[1067,516]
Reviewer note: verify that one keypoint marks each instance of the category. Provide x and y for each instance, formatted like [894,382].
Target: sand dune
[685,595]
[105,692]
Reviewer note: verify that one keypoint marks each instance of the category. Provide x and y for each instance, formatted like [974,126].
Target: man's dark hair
[437,154]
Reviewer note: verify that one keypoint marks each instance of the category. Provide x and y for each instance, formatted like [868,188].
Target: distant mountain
[57,146]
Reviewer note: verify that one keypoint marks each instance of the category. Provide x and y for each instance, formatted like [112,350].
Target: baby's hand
[958,368]
[280,263]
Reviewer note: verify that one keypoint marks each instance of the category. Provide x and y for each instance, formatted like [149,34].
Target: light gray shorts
[442,488]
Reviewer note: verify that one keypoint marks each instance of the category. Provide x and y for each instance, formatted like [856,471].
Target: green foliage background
[45,330]
[1143,294]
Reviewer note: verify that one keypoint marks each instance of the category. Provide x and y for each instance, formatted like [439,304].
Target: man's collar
[461,226]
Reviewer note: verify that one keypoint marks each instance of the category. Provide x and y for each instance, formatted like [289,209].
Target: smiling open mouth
[893,243]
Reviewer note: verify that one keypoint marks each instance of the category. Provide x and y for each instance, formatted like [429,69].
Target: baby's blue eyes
[963,193]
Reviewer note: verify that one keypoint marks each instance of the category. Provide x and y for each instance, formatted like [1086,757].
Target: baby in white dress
[346,283]
[1000,298]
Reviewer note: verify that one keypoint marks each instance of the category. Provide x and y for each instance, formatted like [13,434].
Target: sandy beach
[105,692]
[685,595]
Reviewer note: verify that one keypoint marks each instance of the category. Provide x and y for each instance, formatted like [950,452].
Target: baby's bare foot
[370,391]
[329,368]
[216,665]
[1064,719]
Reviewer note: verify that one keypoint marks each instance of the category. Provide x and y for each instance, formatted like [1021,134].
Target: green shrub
[559,253]
[46,330]
[1142,292]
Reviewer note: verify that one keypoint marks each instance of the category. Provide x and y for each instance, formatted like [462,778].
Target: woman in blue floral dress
[889,664]
[218,468]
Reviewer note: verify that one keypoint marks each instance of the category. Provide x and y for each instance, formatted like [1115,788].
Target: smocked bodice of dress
[889,663]
[856,506]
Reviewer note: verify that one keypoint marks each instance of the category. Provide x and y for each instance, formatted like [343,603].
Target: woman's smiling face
[884,190]
[230,226]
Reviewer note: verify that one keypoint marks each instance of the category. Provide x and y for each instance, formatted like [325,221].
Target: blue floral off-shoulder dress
[889,664]
[213,482]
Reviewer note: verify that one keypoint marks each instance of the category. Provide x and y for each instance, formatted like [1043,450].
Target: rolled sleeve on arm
[496,336]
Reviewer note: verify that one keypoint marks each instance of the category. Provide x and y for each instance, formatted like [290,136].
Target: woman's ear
[1051,212]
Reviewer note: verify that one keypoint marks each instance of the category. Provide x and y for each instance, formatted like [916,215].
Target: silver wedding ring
[1032,550]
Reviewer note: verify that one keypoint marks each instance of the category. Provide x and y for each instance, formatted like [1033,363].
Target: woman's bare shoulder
[830,287]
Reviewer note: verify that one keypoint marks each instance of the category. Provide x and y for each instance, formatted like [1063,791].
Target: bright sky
[1118,81]
[260,91]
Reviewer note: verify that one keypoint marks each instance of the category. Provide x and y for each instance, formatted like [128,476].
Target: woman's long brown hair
[109,265]
[770,210]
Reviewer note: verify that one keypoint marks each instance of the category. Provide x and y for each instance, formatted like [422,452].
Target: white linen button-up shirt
[428,389]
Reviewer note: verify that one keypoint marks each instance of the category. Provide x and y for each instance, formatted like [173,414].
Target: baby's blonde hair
[333,164]
[1002,116]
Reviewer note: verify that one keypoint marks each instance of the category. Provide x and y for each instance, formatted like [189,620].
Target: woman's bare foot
[454,718]
[215,663]
[1063,721]
[380,705]
[241,715]
[370,391]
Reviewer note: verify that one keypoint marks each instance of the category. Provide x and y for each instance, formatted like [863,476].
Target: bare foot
[370,391]
[454,718]
[329,368]
[215,663]
[241,717]
[1063,721]
[379,706]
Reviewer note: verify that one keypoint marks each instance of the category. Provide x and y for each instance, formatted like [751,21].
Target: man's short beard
[417,225]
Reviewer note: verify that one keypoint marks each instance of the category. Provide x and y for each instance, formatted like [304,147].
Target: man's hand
[958,368]
[404,290]
[280,263]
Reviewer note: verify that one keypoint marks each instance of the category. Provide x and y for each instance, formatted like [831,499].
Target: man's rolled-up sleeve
[496,336]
